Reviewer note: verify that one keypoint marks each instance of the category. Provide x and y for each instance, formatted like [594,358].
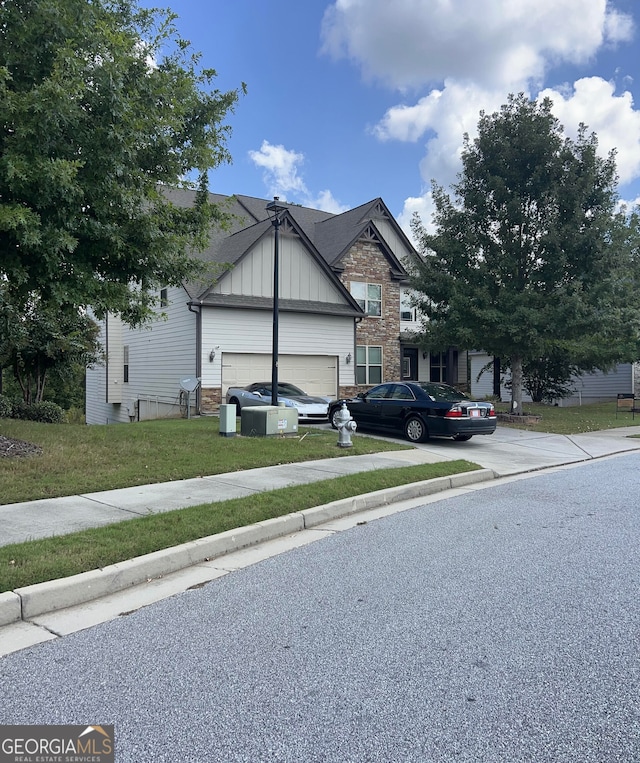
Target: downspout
[357,321]
[198,314]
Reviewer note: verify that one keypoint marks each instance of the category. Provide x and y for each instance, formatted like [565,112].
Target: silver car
[310,408]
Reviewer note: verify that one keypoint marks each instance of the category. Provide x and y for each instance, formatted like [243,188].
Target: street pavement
[49,610]
[494,624]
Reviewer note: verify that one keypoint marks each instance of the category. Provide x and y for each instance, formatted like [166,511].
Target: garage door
[315,374]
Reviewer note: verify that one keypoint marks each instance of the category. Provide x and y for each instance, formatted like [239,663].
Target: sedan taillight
[454,412]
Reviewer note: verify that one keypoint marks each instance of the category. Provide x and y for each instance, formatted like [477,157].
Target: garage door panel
[315,374]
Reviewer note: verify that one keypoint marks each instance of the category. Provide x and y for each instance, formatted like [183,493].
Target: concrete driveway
[513,451]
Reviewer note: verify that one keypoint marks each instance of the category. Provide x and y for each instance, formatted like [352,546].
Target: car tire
[333,412]
[462,437]
[415,430]
[234,401]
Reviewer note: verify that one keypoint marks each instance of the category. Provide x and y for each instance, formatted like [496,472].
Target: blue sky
[354,99]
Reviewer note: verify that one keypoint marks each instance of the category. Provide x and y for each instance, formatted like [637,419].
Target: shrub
[46,412]
[6,408]
[20,410]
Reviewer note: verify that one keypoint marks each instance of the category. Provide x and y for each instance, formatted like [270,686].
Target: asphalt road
[501,625]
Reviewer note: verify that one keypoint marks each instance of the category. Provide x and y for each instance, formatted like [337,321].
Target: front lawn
[79,459]
[573,419]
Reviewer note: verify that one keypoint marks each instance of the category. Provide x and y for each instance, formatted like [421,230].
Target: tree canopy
[102,104]
[41,341]
[530,260]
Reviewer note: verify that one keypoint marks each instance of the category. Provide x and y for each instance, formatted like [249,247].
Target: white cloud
[424,206]
[444,116]
[495,43]
[326,202]
[612,117]
[280,166]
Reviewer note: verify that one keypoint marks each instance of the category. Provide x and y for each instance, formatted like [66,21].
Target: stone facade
[210,399]
[366,263]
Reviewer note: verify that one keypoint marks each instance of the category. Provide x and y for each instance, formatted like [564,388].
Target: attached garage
[315,374]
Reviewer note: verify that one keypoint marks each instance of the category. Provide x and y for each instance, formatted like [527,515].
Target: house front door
[410,364]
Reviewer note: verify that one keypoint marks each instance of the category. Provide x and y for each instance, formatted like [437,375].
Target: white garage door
[315,374]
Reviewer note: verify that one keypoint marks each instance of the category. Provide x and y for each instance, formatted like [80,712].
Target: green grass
[78,459]
[573,419]
[24,564]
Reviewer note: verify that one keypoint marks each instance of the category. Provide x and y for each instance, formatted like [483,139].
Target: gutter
[198,314]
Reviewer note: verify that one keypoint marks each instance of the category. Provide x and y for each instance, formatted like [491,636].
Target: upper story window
[368,296]
[407,311]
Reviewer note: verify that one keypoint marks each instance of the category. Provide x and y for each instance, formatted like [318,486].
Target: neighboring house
[345,322]
[587,388]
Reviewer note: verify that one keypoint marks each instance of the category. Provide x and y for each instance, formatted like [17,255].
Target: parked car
[259,393]
[419,410]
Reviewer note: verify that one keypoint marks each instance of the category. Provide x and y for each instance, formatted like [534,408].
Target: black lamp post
[274,210]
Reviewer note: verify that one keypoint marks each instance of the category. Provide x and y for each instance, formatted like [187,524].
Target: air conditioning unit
[267,420]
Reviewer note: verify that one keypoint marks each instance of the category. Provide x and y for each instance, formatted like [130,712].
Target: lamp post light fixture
[275,210]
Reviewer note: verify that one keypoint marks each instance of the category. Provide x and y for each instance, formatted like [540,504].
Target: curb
[30,601]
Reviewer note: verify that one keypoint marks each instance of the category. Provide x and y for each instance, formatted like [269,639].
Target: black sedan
[419,410]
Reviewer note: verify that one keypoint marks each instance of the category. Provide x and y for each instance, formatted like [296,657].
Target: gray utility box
[265,420]
[228,420]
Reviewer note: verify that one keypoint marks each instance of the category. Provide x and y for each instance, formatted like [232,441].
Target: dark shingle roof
[330,235]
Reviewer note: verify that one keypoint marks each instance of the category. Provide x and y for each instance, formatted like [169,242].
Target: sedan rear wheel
[462,437]
[415,429]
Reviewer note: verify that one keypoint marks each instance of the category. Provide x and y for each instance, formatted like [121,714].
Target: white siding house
[222,334]
[158,356]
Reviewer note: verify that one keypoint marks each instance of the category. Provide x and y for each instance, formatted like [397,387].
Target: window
[164,299]
[368,296]
[401,392]
[407,312]
[438,367]
[125,358]
[368,364]
[379,393]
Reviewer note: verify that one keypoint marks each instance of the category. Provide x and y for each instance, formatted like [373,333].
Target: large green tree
[529,259]
[40,341]
[102,105]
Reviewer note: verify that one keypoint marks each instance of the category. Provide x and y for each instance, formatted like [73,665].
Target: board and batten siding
[251,331]
[394,241]
[300,276]
[160,355]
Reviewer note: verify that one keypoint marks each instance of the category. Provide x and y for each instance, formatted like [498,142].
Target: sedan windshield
[442,392]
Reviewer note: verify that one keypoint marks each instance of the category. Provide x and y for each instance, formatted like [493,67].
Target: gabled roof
[235,247]
[327,236]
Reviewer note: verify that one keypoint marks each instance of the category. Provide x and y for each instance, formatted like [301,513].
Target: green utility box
[268,420]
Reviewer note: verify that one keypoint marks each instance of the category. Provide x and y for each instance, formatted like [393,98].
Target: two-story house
[344,318]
